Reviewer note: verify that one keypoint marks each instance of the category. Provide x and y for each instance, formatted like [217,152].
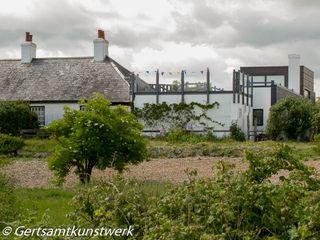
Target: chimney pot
[27,37]
[101,34]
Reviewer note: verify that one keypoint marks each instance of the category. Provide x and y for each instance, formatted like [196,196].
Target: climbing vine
[175,116]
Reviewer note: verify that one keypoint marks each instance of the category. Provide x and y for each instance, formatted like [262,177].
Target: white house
[272,83]
[49,84]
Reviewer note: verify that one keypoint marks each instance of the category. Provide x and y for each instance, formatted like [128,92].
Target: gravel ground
[35,173]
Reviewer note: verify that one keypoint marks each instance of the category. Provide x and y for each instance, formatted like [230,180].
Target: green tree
[99,137]
[290,118]
[15,116]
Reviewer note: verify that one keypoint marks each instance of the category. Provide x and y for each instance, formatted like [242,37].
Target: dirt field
[35,173]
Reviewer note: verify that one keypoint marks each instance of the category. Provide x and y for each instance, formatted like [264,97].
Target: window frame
[253,116]
[44,114]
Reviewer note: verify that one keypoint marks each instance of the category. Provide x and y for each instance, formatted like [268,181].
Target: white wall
[140,100]
[226,113]
[262,100]
[55,111]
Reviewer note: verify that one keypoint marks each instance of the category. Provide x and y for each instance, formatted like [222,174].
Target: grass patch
[36,146]
[36,202]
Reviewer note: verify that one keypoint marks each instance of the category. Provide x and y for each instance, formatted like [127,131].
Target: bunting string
[171,73]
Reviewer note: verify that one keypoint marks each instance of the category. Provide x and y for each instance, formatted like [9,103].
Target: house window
[258,117]
[39,110]
[82,108]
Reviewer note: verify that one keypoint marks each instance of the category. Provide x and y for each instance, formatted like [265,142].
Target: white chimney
[294,72]
[100,47]
[28,49]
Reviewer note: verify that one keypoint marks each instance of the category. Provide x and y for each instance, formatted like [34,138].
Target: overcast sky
[170,34]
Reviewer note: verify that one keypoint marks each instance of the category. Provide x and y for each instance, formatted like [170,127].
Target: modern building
[272,83]
[254,91]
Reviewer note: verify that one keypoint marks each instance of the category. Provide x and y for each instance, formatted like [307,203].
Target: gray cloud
[253,32]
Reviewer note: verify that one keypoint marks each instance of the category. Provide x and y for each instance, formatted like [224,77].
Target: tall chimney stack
[294,72]
[100,46]
[28,49]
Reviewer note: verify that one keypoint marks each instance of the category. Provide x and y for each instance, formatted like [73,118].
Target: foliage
[175,116]
[15,116]
[193,150]
[316,137]
[10,145]
[316,117]
[236,133]
[99,137]
[7,202]
[290,118]
[228,206]
[43,134]
[183,136]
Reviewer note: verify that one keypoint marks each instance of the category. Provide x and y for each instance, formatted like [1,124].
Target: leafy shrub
[291,118]
[15,116]
[228,206]
[316,138]
[236,133]
[189,137]
[10,145]
[98,137]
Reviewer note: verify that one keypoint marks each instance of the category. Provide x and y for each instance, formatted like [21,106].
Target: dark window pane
[258,117]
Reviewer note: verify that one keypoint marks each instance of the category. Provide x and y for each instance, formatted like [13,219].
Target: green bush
[179,136]
[236,133]
[15,116]
[291,118]
[10,145]
[228,206]
[316,138]
[98,137]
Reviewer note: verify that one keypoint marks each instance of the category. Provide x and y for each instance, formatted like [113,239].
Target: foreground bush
[228,206]
[10,145]
[291,118]
[98,137]
[15,116]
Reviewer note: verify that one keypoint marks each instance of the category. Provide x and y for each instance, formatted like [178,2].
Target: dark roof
[63,79]
[265,70]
